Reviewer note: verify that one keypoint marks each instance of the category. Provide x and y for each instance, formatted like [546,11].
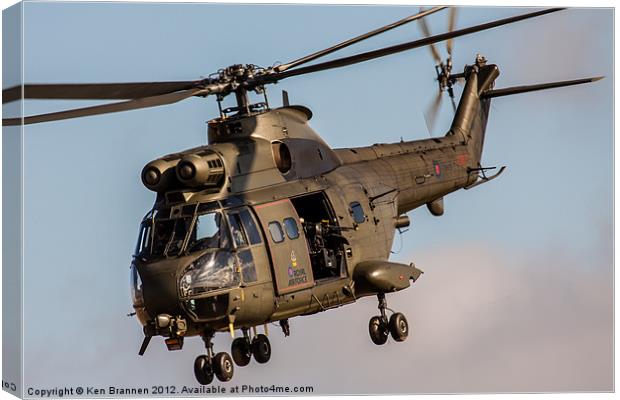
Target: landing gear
[206,366]
[261,348]
[380,327]
[378,331]
[203,370]
[241,350]
[399,327]
[223,366]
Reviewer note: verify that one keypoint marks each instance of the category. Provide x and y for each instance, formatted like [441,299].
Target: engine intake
[159,175]
[201,169]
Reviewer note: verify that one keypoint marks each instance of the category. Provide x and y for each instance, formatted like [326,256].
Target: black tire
[378,330]
[399,327]
[261,348]
[241,351]
[223,366]
[203,370]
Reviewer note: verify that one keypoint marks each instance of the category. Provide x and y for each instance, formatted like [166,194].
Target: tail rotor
[445,79]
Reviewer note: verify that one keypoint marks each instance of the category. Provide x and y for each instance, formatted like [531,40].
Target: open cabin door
[286,239]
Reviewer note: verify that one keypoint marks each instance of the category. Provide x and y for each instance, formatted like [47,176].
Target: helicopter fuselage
[296,227]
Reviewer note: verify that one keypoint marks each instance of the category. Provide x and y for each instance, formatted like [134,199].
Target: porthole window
[290,226]
[357,212]
[275,229]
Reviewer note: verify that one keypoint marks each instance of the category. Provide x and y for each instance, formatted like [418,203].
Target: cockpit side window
[251,229]
[245,234]
[237,231]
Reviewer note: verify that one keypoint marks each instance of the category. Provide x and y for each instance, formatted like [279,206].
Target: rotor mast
[238,78]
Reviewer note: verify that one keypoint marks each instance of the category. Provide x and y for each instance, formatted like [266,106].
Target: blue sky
[534,244]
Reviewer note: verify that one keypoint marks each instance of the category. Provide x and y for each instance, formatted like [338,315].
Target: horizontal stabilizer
[531,88]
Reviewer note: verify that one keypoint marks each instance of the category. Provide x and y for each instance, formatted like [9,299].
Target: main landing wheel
[398,326]
[378,330]
[241,351]
[223,366]
[261,348]
[203,369]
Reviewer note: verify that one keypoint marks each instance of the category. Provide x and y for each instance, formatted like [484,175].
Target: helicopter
[267,222]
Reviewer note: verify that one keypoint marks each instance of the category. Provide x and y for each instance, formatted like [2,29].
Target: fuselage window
[250,227]
[357,212]
[290,226]
[275,229]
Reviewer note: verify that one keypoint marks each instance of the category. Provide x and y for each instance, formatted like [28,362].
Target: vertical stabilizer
[470,121]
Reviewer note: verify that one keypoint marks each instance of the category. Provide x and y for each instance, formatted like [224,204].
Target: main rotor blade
[135,104]
[314,56]
[95,91]
[531,88]
[451,26]
[427,33]
[370,55]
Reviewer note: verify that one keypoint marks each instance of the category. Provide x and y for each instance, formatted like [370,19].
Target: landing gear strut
[380,327]
[207,365]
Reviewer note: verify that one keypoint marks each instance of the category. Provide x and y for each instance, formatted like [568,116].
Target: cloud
[500,321]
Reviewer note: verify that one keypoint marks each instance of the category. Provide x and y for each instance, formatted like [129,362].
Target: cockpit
[218,242]
[180,231]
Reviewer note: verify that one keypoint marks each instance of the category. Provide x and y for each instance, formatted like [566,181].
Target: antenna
[285,102]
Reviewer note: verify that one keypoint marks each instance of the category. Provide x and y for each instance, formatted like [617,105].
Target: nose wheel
[223,366]
[380,327]
[203,370]
[207,366]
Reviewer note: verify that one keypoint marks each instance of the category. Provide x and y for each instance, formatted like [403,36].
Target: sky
[517,291]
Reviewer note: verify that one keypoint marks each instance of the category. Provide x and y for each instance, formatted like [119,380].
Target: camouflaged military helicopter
[267,222]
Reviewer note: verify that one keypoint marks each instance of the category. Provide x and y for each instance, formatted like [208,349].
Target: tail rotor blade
[430,116]
[427,33]
[453,104]
[451,26]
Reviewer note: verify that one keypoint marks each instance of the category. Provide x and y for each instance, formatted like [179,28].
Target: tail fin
[470,121]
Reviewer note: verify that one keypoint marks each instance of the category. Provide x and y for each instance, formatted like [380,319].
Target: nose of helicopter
[159,284]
